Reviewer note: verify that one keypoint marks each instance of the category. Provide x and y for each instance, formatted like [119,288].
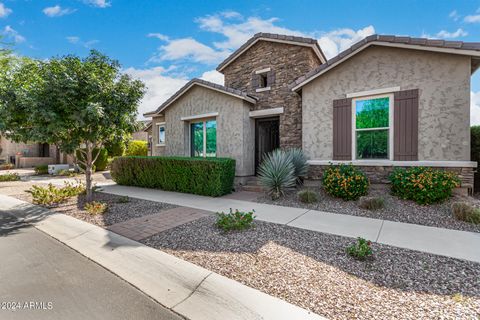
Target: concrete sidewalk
[445,242]
[189,290]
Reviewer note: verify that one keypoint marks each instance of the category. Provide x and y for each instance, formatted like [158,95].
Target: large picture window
[372,127]
[204,138]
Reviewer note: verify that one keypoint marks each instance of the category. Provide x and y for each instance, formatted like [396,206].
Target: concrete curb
[189,290]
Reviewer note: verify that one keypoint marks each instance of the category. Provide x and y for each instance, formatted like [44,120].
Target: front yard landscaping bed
[395,209]
[120,209]
[313,271]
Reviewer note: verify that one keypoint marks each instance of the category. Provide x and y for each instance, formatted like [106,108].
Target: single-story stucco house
[385,102]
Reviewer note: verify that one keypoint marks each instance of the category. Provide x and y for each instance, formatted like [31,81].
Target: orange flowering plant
[345,181]
[423,185]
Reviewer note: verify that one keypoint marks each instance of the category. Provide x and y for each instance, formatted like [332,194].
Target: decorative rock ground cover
[312,270]
[395,209]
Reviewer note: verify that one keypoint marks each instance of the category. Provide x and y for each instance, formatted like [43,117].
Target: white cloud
[76,40]
[336,41]
[98,3]
[237,30]
[472,18]
[160,87]
[4,11]
[451,35]
[213,76]
[57,11]
[188,48]
[13,34]
[475,108]
[454,15]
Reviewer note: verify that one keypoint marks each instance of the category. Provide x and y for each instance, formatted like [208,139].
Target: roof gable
[299,41]
[453,47]
[206,84]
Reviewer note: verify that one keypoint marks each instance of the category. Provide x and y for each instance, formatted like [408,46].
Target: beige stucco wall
[235,130]
[10,148]
[443,81]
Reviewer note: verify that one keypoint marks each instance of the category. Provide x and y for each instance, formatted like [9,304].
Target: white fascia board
[372,92]
[388,163]
[265,112]
[199,116]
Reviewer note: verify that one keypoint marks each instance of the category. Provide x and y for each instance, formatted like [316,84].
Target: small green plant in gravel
[96,207]
[67,173]
[235,220]
[43,169]
[371,203]
[123,199]
[345,181]
[361,249]
[9,177]
[51,195]
[423,185]
[307,196]
[465,212]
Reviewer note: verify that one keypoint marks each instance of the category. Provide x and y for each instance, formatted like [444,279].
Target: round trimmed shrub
[345,181]
[423,185]
[137,148]
[307,196]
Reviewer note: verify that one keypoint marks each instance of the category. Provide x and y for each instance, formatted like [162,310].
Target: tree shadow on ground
[20,217]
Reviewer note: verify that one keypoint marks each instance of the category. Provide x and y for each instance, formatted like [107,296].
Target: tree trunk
[88,172]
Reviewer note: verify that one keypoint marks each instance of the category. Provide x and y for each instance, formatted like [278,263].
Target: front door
[267,137]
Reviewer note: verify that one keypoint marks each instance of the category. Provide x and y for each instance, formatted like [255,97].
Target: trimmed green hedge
[209,177]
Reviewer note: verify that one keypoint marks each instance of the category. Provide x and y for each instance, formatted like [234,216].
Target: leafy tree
[75,103]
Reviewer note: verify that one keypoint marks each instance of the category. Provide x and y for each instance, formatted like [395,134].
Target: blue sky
[167,42]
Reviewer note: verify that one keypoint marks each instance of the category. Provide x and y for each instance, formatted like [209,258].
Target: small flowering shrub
[423,185]
[237,220]
[345,181]
[96,207]
[361,249]
[9,177]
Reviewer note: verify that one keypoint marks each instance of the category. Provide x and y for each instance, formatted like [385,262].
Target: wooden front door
[267,137]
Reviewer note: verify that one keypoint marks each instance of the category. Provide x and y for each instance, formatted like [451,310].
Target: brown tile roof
[433,43]
[235,92]
[270,36]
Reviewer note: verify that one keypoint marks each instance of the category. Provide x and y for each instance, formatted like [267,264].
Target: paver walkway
[146,226]
[446,242]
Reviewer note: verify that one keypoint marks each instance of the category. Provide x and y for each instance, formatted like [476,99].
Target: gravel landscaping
[118,211]
[312,270]
[437,215]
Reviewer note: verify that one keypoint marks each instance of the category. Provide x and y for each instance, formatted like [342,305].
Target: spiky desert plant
[299,161]
[276,173]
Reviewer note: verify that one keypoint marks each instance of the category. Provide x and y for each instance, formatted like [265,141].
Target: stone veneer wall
[288,62]
[380,174]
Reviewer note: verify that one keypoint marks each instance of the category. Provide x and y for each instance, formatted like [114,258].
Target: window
[161,134]
[263,81]
[204,138]
[372,123]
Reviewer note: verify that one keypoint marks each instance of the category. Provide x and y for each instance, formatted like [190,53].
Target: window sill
[160,145]
[263,89]
[390,163]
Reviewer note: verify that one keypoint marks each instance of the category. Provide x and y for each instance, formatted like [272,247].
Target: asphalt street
[41,278]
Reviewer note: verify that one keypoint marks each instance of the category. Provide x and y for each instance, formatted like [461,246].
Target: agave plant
[276,173]
[299,162]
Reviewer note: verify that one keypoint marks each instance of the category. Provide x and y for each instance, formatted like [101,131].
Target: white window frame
[204,126]
[389,128]
[161,125]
